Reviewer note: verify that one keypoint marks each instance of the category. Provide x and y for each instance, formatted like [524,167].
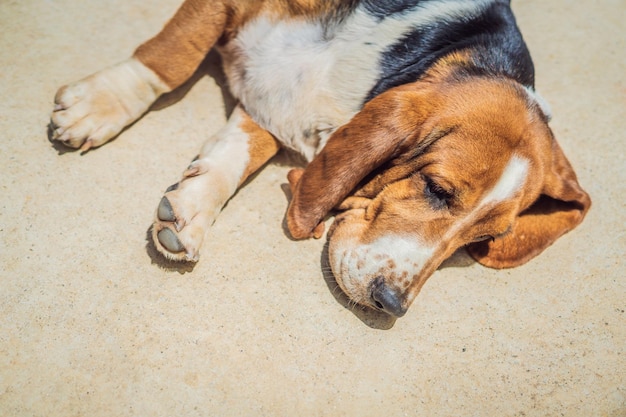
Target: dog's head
[427,168]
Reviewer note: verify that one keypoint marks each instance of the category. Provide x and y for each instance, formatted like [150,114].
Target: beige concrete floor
[93,324]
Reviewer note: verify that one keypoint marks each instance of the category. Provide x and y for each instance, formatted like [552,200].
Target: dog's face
[431,168]
[469,185]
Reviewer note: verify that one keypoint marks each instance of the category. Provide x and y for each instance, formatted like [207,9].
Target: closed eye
[438,197]
[483,238]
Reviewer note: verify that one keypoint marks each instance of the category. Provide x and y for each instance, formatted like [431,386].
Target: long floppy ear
[560,208]
[385,127]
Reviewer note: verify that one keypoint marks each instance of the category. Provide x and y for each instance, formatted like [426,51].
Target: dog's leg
[188,208]
[95,109]
[91,111]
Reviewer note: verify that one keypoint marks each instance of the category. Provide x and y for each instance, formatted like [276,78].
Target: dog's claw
[170,241]
[87,145]
[58,131]
[192,256]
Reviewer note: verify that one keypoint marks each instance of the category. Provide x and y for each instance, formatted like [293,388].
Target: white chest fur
[301,80]
[295,82]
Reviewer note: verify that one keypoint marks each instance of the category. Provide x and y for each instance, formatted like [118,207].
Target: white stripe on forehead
[511,181]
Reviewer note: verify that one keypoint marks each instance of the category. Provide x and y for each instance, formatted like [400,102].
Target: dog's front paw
[187,210]
[95,109]
[85,115]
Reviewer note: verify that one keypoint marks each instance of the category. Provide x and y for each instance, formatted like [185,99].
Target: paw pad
[170,241]
[165,211]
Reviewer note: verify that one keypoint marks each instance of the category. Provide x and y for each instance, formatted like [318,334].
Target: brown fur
[560,208]
[262,146]
[445,129]
[177,51]
[384,129]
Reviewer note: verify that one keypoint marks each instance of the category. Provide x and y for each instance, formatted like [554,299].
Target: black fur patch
[493,38]
[384,8]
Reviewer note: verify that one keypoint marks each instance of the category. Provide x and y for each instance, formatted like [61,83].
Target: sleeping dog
[418,118]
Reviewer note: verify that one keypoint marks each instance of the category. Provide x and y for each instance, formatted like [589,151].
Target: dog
[418,118]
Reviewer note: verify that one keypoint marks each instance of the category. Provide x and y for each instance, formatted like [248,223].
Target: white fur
[200,196]
[228,152]
[301,81]
[221,166]
[98,107]
[511,181]
[391,256]
[136,82]
[541,102]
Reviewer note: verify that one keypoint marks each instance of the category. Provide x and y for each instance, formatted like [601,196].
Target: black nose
[386,298]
